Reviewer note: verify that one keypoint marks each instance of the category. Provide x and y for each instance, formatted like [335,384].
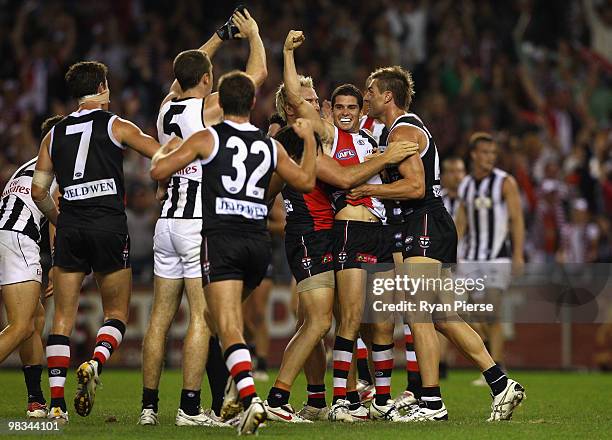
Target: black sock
[414,384]
[31,374]
[262,364]
[496,379]
[217,374]
[431,398]
[278,397]
[316,396]
[353,398]
[150,399]
[443,370]
[363,370]
[190,402]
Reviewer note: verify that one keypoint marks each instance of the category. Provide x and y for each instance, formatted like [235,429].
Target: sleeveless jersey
[374,126]
[431,165]
[182,118]
[88,164]
[487,217]
[308,212]
[18,212]
[450,203]
[236,178]
[351,149]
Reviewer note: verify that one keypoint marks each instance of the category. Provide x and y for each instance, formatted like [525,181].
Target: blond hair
[281,95]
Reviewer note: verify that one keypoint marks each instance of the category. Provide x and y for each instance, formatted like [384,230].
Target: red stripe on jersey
[346,155]
[368,124]
[319,207]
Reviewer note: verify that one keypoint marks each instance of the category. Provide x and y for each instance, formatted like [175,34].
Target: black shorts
[357,243]
[310,254]
[84,250]
[431,234]
[235,256]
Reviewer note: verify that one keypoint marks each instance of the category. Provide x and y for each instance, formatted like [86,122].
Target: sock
[58,360]
[363,369]
[262,363]
[190,402]
[353,397]
[343,355]
[238,361]
[316,396]
[278,395]
[383,366]
[217,374]
[31,374]
[108,340]
[431,398]
[150,398]
[414,384]
[496,379]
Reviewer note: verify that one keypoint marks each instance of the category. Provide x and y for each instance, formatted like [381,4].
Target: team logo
[408,248]
[206,268]
[366,258]
[55,372]
[78,175]
[409,239]
[360,142]
[327,258]
[379,373]
[483,202]
[437,190]
[424,241]
[288,206]
[107,345]
[347,153]
[398,239]
[307,263]
[342,257]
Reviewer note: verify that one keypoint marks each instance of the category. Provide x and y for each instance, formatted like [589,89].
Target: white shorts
[19,258]
[497,273]
[176,248]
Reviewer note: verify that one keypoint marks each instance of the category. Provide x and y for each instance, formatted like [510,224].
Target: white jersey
[18,212]
[374,126]
[182,118]
[487,217]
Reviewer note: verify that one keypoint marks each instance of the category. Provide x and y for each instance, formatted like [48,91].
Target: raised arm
[292,88]
[302,177]
[42,180]
[128,133]
[170,158]
[256,67]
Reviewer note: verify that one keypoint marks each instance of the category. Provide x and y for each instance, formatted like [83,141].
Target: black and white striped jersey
[182,118]
[486,210]
[18,212]
[450,203]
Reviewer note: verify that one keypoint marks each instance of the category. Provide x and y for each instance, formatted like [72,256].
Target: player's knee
[24,329]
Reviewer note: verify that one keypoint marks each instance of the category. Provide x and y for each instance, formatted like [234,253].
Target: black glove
[229,30]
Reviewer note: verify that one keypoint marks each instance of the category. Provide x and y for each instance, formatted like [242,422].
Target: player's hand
[359,192]
[326,111]
[229,30]
[49,289]
[303,128]
[161,193]
[294,40]
[399,150]
[247,26]
[518,265]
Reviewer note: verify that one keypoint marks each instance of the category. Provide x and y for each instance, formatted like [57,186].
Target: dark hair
[293,143]
[189,68]
[479,136]
[396,80]
[236,93]
[83,78]
[347,90]
[48,124]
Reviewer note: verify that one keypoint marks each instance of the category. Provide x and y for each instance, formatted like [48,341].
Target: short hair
[450,160]
[479,136]
[347,90]
[48,124]
[236,93]
[396,80]
[83,78]
[189,67]
[293,143]
[281,95]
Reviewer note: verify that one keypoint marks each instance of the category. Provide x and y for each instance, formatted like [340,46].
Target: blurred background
[536,74]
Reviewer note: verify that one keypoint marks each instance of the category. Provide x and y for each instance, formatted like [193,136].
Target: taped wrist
[42,179]
[46,205]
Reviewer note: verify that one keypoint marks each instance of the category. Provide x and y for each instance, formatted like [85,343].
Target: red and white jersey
[352,149]
[374,126]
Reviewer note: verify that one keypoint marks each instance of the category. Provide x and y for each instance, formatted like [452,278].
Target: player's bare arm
[302,177]
[127,133]
[42,180]
[292,86]
[330,171]
[412,186]
[461,221]
[276,186]
[169,159]
[510,192]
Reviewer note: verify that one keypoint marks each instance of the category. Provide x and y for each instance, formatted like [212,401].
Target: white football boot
[148,417]
[507,401]
[283,413]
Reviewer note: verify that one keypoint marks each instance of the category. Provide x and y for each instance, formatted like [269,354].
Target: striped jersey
[374,126]
[450,203]
[182,118]
[308,212]
[351,149]
[18,212]
[486,210]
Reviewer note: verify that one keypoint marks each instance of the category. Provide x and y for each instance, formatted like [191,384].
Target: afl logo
[345,154]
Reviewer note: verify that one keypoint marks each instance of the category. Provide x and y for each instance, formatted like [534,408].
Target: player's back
[236,178]
[182,118]
[88,165]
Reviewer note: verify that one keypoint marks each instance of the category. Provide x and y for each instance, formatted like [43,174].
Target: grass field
[558,405]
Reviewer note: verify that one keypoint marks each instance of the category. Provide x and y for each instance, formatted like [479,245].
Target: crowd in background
[536,74]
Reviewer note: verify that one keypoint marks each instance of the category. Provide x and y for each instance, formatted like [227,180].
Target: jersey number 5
[235,185]
[84,129]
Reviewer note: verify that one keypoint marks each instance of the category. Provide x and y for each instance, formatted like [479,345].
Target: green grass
[558,405]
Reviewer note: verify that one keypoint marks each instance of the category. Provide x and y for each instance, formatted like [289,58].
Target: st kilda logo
[307,263]
[206,268]
[342,257]
[424,241]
